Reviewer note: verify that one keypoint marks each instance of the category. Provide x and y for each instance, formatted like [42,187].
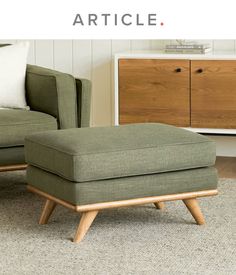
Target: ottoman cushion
[80,193]
[89,154]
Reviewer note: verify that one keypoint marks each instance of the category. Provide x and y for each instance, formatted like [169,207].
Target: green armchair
[56,100]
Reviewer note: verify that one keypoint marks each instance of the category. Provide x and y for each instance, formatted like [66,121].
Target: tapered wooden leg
[47,211]
[85,222]
[194,209]
[159,205]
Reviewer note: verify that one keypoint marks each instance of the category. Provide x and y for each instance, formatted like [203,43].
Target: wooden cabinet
[213,94]
[181,92]
[152,90]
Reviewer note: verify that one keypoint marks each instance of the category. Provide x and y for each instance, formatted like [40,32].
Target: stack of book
[188,48]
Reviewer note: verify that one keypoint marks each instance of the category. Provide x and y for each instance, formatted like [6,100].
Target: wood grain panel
[213,94]
[151,90]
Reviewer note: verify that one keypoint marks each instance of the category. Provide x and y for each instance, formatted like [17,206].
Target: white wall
[93,59]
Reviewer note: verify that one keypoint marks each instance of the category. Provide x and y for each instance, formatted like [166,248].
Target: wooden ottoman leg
[85,222]
[159,205]
[194,209]
[47,211]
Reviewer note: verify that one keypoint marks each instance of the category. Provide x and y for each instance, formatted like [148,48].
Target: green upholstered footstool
[90,169]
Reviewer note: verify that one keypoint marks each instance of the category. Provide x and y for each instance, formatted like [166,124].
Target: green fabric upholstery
[53,93]
[59,95]
[16,124]
[12,155]
[89,154]
[84,88]
[122,188]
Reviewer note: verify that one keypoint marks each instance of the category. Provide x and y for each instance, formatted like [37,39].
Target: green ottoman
[90,169]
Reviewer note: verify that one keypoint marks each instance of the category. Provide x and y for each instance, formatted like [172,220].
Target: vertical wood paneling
[8,41]
[175,41]
[116,47]
[205,41]
[31,52]
[44,53]
[140,45]
[223,45]
[158,44]
[101,79]
[82,58]
[63,55]
[120,46]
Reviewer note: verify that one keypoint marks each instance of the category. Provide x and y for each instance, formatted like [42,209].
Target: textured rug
[139,240]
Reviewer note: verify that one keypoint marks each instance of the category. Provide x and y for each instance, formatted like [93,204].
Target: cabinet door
[152,90]
[213,94]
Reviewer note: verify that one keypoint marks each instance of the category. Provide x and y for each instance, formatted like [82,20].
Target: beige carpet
[140,240]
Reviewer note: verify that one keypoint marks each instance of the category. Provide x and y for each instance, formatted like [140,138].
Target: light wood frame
[13,167]
[90,211]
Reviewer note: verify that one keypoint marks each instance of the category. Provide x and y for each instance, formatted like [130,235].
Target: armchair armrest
[83,87]
[53,93]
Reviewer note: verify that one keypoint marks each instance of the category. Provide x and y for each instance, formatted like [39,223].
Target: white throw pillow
[13,60]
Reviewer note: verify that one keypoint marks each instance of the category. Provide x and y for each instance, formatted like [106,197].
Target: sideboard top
[227,55]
